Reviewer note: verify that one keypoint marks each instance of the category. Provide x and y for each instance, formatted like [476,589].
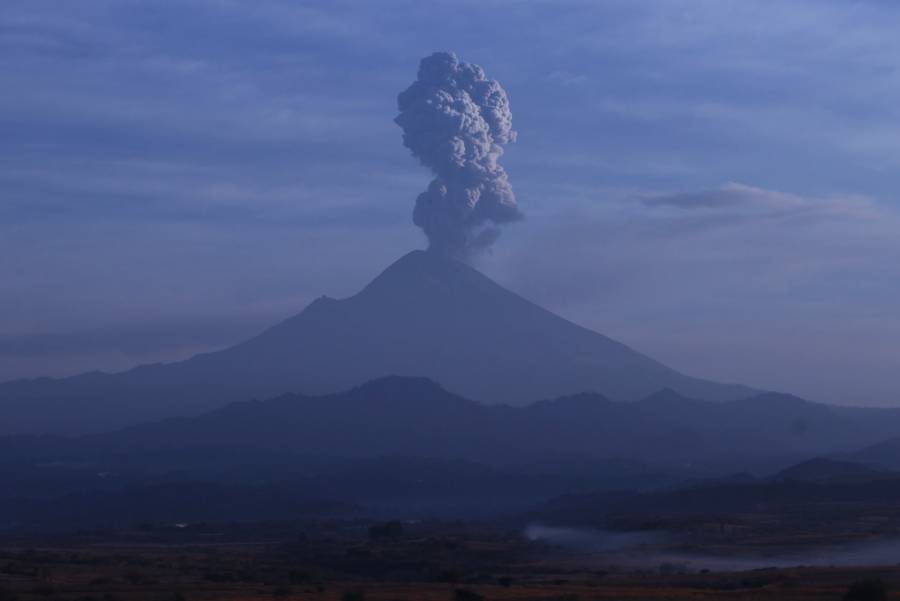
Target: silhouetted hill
[415,417]
[425,315]
[825,470]
[819,494]
[409,445]
[797,505]
[820,500]
[884,454]
[388,416]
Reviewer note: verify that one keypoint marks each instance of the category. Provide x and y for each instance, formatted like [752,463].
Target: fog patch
[664,552]
[591,540]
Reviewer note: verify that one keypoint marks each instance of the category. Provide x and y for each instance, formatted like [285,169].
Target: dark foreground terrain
[392,561]
[400,490]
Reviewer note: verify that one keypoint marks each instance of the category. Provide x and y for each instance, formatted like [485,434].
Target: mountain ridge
[417,417]
[425,315]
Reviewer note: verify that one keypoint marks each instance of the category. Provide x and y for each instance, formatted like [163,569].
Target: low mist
[664,551]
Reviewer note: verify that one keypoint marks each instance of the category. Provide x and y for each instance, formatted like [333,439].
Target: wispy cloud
[750,201]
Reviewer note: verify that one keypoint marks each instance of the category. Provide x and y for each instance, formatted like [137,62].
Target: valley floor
[341,561]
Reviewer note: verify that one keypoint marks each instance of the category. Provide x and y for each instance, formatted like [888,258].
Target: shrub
[462,594]
[387,531]
[7,595]
[44,590]
[866,590]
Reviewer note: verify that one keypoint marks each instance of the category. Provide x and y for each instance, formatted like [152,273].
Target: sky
[712,182]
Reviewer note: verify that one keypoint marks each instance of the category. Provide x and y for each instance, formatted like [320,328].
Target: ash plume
[456,121]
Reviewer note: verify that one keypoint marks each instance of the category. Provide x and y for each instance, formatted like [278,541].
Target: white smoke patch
[664,551]
[590,540]
[456,122]
[876,553]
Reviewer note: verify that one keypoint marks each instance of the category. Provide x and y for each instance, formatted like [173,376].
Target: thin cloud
[749,200]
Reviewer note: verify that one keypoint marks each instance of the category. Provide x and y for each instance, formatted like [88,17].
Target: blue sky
[711,182]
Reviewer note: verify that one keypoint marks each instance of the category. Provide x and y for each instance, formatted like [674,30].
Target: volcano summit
[426,315]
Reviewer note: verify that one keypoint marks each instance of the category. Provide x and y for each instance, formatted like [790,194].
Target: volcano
[426,315]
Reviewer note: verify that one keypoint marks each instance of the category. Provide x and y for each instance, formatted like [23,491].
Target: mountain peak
[426,315]
[666,396]
[428,269]
[400,386]
[418,259]
[824,469]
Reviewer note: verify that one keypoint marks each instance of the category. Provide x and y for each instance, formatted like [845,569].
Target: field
[354,561]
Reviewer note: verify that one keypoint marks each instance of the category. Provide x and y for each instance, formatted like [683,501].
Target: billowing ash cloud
[456,121]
